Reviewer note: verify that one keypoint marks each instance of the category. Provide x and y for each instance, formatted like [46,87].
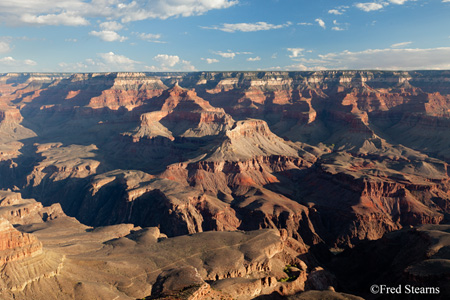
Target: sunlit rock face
[322,161]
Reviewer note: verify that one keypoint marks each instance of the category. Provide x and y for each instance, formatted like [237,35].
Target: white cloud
[321,23]
[226,54]
[271,68]
[163,9]
[187,66]
[111,26]
[210,60]
[63,18]
[301,67]
[9,63]
[74,67]
[170,63]
[115,59]
[257,58]
[340,10]
[334,12]
[400,2]
[230,54]
[77,12]
[294,67]
[108,36]
[29,62]
[369,6]
[71,40]
[386,59]
[105,62]
[308,24]
[376,59]
[399,45]
[338,26]
[4,45]
[149,37]
[248,27]
[7,60]
[296,52]
[297,67]
[167,60]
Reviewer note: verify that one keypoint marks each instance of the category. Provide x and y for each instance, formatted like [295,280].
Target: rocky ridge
[51,255]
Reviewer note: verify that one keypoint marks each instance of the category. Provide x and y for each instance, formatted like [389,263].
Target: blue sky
[216,35]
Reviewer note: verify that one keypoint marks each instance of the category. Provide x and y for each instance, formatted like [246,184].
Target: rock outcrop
[15,245]
[59,257]
[323,160]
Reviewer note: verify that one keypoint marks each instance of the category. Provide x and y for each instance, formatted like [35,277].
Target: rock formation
[16,245]
[312,161]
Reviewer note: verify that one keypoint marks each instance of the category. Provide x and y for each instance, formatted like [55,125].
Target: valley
[247,185]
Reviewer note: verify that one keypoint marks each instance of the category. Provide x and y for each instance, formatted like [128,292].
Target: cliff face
[15,245]
[323,160]
[286,148]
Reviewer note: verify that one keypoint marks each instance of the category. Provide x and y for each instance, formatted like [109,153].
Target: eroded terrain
[116,185]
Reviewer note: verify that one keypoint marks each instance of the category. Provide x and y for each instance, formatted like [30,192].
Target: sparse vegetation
[291,276]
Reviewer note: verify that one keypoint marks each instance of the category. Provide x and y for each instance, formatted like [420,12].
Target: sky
[223,35]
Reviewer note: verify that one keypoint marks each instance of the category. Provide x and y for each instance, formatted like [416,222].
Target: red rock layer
[15,245]
[228,175]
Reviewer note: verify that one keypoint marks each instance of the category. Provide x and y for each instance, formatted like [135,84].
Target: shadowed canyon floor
[223,185]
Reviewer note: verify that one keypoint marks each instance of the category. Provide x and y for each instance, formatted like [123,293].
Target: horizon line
[222,71]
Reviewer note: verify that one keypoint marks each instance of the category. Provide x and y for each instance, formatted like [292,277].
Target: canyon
[223,185]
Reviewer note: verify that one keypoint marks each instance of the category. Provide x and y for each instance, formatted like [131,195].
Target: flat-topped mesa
[26,211]
[137,81]
[91,79]
[265,83]
[248,139]
[129,90]
[20,83]
[248,129]
[8,198]
[10,115]
[22,77]
[15,245]
[252,130]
